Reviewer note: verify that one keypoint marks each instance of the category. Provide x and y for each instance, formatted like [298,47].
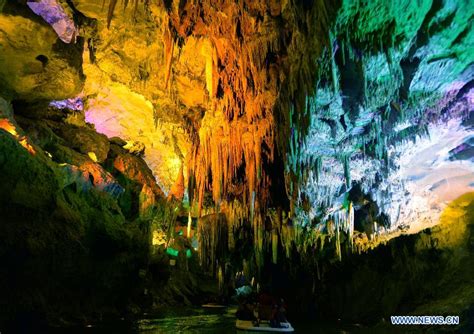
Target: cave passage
[224,166]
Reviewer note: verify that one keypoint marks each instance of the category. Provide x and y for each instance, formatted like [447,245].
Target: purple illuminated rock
[53,13]
[75,103]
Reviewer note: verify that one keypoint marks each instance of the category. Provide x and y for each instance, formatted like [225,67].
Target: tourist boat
[247,326]
[213,305]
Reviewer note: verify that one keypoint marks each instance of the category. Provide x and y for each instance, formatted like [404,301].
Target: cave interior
[157,154]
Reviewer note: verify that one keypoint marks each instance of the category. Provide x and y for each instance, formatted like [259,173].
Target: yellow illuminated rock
[31,67]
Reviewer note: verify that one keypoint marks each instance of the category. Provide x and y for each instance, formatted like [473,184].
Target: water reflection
[222,320]
[204,320]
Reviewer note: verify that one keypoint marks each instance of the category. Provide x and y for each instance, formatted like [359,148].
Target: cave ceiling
[300,105]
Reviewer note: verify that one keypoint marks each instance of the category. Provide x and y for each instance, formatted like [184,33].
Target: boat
[247,326]
[213,305]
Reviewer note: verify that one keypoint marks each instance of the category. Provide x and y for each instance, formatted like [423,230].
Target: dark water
[215,320]
[211,321]
[189,320]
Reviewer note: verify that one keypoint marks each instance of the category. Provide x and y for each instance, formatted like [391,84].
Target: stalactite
[113,4]
[212,237]
[169,42]
[338,243]
[242,121]
[274,246]
[318,167]
[110,12]
[251,116]
[220,280]
[236,214]
[351,223]
[347,171]
[334,71]
[287,235]
[188,229]
[259,233]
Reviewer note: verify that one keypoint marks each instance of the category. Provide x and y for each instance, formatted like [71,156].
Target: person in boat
[278,314]
[274,321]
[266,301]
[245,312]
[240,279]
[282,311]
[256,314]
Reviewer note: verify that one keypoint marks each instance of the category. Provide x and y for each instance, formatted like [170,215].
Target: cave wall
[389,111]
[74,204]
[65,235]
[425,273]
[32,55]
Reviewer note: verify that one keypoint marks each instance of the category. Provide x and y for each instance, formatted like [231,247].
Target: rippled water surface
[219,320]
[209,320]
[196,320]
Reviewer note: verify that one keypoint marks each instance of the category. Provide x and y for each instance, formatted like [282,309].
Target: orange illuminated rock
[136,170]
[8,126]
[177,190]
[99,177]
[147,200]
